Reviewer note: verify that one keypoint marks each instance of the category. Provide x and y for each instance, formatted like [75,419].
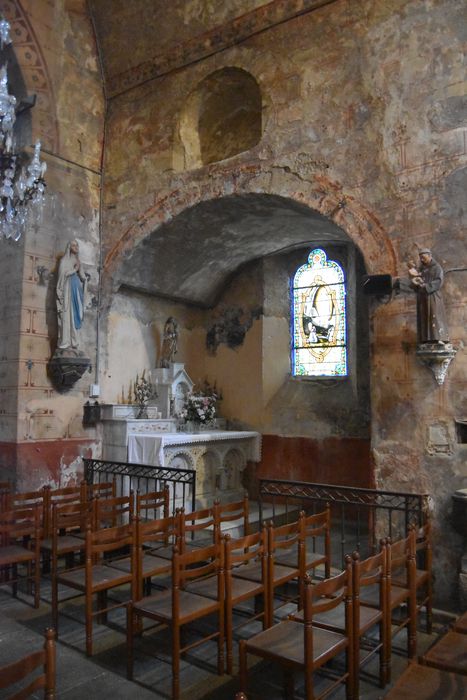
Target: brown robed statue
[426,280]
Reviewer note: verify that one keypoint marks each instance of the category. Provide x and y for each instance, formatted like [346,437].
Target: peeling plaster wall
[41,430]
[370,95]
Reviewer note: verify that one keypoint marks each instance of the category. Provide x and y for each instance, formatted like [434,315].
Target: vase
[192,426]
[142,411]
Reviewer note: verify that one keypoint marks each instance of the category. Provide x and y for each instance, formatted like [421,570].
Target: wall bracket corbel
[438,357]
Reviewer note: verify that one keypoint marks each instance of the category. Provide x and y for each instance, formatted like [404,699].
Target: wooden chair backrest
[368,572]
[236,512]
[102,489]
[285,537]
[243,550]
[318,526]
[195,522]
[18,671]
[29,499]
[111,512]
[70,518]
[163,532]
[153,505]
[198,563]
[107,540]
[5,491]
[21,524]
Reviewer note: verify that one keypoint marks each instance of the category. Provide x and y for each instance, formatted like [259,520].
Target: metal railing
[360,517]
[145,479]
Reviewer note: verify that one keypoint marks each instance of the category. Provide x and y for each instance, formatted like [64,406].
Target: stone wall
[41,429]
[363,121]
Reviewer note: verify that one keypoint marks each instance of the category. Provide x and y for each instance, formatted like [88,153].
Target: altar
[218,456]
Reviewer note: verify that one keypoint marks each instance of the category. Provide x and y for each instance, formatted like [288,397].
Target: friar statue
[71,285]
[169,342]
[426,281]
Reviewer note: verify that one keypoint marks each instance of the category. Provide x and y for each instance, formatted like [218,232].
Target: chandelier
[22,184]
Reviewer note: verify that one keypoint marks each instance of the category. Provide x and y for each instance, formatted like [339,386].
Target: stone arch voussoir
[316,191]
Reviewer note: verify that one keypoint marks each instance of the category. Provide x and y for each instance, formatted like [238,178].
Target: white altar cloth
[149,448]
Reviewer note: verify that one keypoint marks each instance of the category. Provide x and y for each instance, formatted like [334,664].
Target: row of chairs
[337,615]
[50,524]
[441,672]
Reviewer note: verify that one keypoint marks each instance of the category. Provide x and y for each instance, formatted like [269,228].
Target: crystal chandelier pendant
[21,188]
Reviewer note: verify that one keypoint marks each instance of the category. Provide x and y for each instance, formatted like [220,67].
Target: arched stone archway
[313,190]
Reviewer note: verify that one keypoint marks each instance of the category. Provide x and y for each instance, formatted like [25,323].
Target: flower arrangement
[143,392]
[200,407]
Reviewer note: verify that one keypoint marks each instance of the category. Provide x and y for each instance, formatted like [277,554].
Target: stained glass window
[318,318]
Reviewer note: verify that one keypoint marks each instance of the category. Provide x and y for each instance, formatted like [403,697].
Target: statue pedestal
[438,357]
[66,367]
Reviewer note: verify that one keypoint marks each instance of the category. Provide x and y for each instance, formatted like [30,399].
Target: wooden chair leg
[229,639]
[130,622]
[37,583]
[88,607]
[175,662]
[15,580]
[101,606]
[243,673]
[55,602]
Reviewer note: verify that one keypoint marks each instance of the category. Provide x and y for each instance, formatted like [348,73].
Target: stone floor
[103,675]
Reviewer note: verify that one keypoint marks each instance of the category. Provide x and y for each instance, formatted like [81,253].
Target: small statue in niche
[426,281]
[71,287]
[169,342]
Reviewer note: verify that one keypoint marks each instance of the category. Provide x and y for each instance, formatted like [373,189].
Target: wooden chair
[285,540]
[316,549]
[148,535]
[177,607]
[19,671]
[300,646]
[153,505]
[69,524]
[448,654]
[234,515]
[237,553]
[95,577]
[424,683]
[369,572]
[423,574]
[20,534]
[400,554]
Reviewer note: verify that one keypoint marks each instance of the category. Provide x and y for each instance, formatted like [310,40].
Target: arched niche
[221,117]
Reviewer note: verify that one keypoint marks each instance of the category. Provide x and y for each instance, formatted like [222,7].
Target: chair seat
[312,559]
[151,565]
[13,554]
[460,624]
[421,576]
[253,572]
[164,551]
[426,683]
[335,618]
[449,653]
[285,641]
[102,577]
[371,597]
[65,544]
[159,606]
[241,588]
